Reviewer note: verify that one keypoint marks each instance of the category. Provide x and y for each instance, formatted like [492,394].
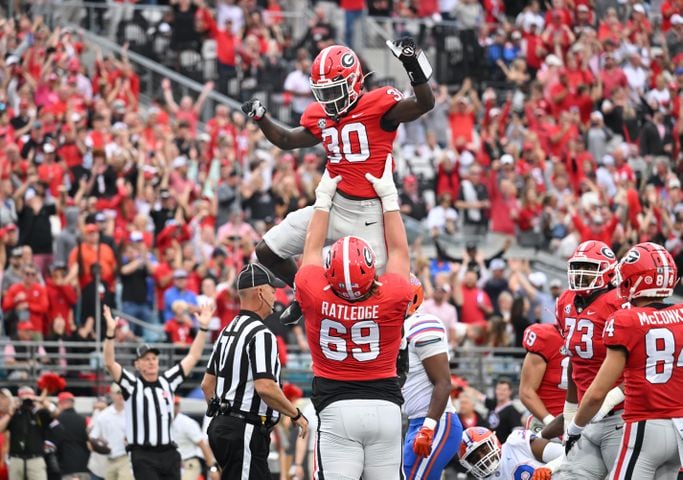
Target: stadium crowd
[567,128]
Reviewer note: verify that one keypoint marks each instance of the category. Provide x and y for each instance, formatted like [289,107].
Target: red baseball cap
[64,396]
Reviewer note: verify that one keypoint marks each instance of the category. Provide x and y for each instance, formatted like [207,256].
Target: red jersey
[582,329]
[545,340]
[653,338]
[352,341]
[356,144]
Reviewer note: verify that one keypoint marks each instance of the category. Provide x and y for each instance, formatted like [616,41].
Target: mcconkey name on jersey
[653,337]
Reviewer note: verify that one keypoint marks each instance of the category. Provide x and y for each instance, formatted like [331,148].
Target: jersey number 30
[349,142]
[362,342]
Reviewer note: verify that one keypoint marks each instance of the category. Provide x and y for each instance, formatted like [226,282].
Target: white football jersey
[517,461]
[426,336]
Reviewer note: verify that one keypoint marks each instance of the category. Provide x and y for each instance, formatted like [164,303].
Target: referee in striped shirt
[242,383]
[149,401]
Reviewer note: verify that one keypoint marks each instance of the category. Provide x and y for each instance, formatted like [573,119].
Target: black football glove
[569,442]
[254,109]
[413,59]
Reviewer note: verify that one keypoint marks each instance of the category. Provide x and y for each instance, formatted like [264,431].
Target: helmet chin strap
[635,285]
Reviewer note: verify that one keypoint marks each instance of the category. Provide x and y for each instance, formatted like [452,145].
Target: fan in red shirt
[179,328]
[543,381]
[475,304]
[28,301]
[62,297]
[354,323]
[644,344]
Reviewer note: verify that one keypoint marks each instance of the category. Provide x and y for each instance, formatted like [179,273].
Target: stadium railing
[84,369]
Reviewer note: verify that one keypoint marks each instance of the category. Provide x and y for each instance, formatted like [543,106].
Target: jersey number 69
[337,342]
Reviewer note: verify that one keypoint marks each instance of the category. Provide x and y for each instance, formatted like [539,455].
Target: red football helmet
[647,270]
[336,79]
[591,267]
[350,268]
[479,451]
[418,294]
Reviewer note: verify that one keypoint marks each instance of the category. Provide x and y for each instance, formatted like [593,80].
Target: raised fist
[254,109]
[403,49]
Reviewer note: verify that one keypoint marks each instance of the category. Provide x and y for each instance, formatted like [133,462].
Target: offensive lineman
[357,130]
[543,381]
[434,434]
[581,313]
[645,343]
[523,455]
[354,328]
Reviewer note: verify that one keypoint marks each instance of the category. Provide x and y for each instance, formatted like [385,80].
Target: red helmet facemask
[336,79]
[591,267]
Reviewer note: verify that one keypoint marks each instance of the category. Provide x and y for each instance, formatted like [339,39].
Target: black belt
[151,448]
[26,456]
[258,420]
[354,197]
[614,412]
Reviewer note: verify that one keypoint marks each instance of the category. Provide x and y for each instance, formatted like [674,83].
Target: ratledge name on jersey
[661,317]
[350,312]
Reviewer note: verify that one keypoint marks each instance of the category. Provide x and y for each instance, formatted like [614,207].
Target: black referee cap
[143,350]
[254,275]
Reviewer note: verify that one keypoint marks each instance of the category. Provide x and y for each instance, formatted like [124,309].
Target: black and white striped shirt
[149,407]
[246,350]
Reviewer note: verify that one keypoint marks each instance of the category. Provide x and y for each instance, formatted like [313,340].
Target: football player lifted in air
[581,313]
[645,345]
[524,455]
[354,321]
[434,433]
[357,130]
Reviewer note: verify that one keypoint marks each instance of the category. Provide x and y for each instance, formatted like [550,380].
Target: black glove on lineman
[254,109]
[413,59]
[569,442]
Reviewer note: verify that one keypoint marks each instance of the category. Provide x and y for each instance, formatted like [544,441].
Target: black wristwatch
[298,415]
[213,468]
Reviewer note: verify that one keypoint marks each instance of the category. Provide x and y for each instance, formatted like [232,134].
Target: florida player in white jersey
[645,344]
[581,314]
[357,130]
[354,323]
[434,433]
[523,456]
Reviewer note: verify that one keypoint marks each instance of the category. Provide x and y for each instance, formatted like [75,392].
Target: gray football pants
[596,451]
[649,451]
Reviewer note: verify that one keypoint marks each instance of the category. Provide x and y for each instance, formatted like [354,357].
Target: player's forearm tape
[418,67]
[390,203]
[552,451]
[429,423]
[547,419]
[568,413]
[613,398]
